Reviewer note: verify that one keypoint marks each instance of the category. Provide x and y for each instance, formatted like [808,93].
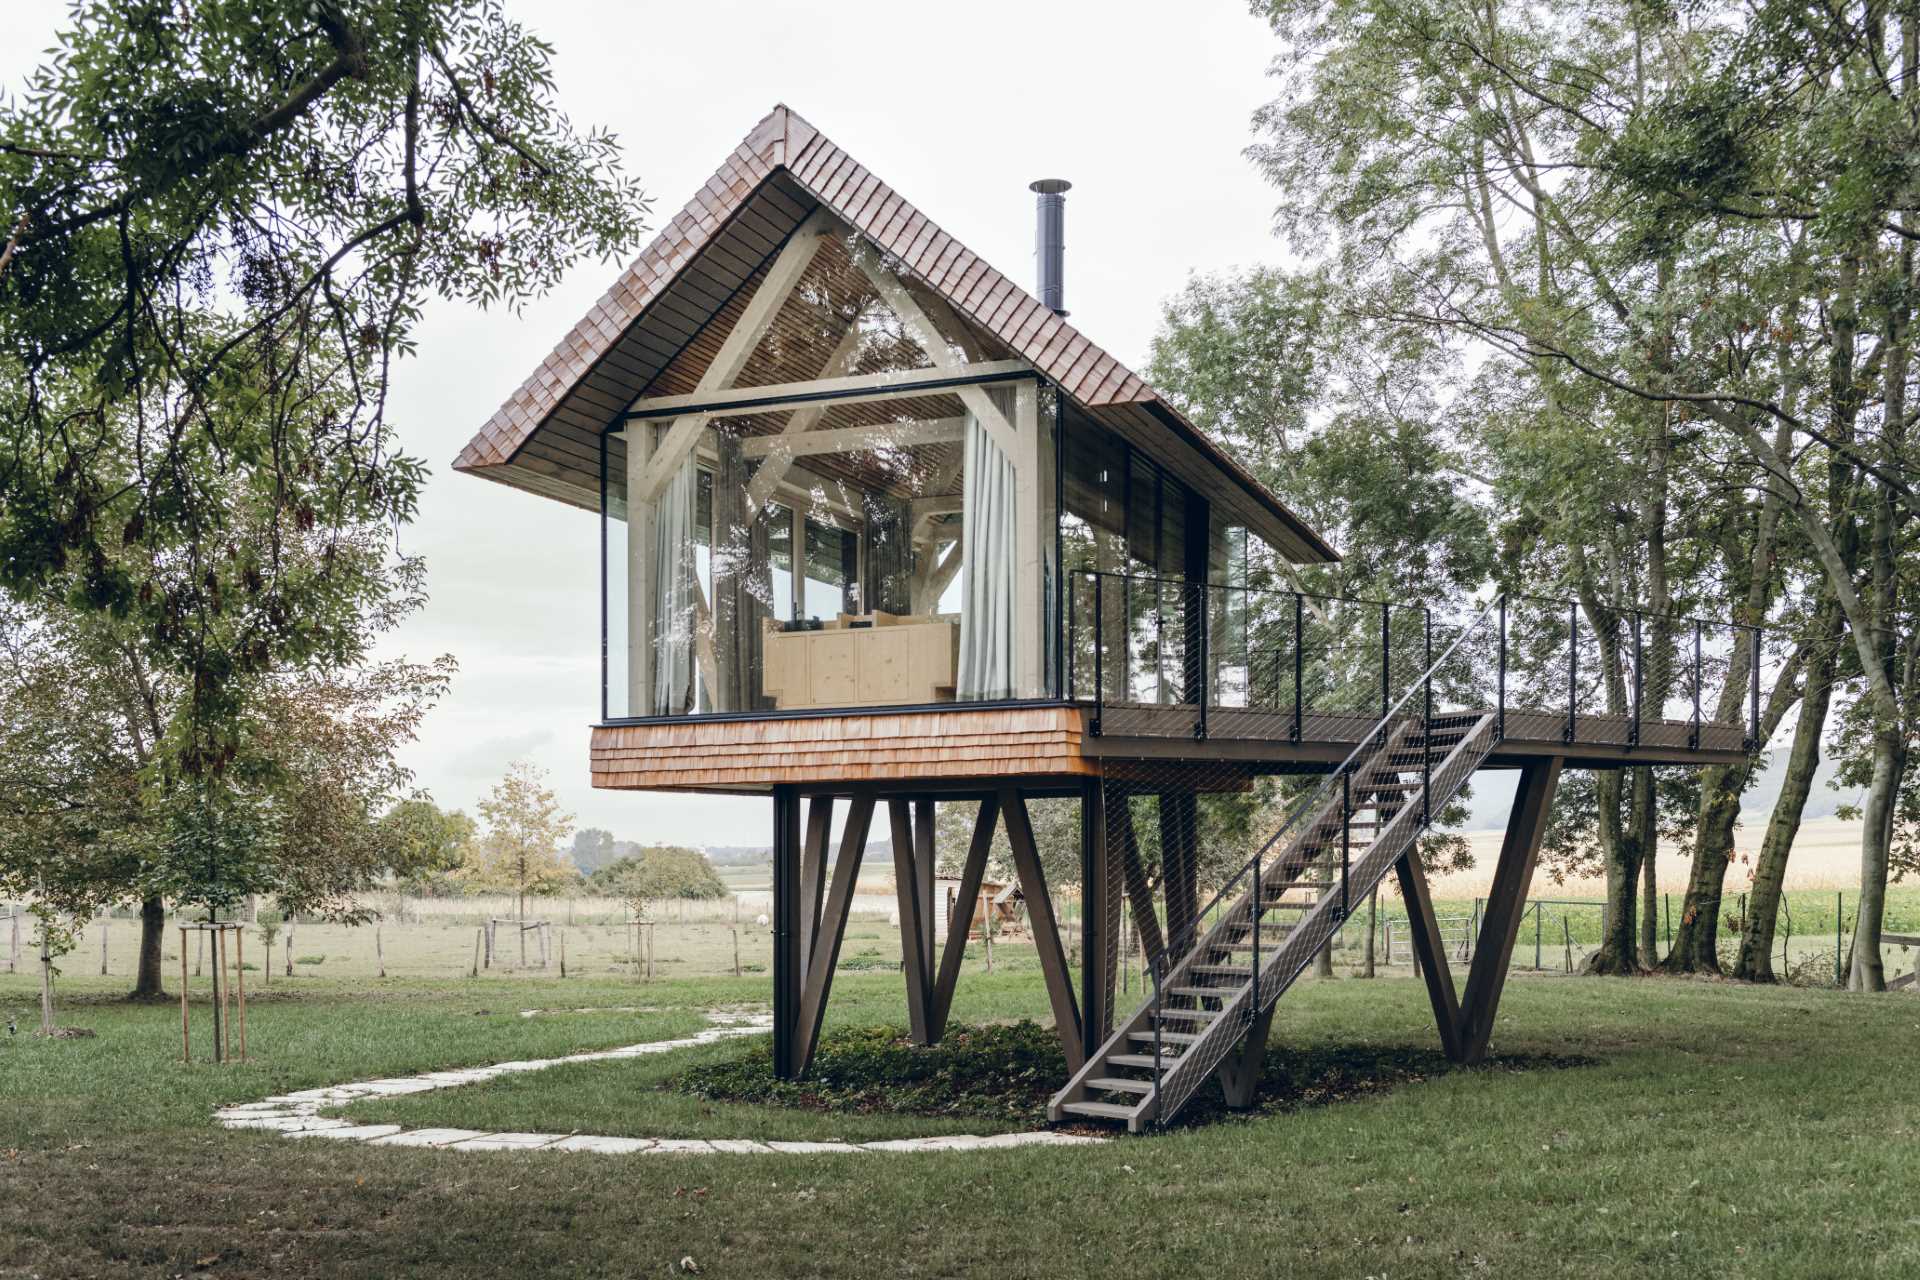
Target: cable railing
[1301,665]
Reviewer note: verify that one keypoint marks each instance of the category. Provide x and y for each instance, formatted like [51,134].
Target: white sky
[1144,106]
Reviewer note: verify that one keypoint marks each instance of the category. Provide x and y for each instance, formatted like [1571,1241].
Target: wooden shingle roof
[544,439]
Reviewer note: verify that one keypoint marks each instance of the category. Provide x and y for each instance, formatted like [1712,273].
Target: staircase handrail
[1367,745]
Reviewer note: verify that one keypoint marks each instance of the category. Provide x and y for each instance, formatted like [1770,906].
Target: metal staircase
[1285,904]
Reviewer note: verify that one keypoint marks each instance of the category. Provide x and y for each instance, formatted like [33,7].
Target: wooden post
[736,950]
[186,1046]
[478,935]
[103,941]
[833,927]
[1430,952]
[650,952]
[240,984]
[960,922]
[1506,903]
[200,952]
[13,947]
[907,899]
[1046,930]
[563,952]
[379,952]
[286,946]
[219,1020]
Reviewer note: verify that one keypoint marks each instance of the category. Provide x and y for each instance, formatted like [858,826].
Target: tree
[428,844]
[521,852]
[253,201]
[659,871]
[593,848]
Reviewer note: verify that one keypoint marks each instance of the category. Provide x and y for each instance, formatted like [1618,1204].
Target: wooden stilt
[1046,931]
[789,929]
[1241,1069]
[1146,920]
[1099,920]
[924,872]
[1506,903]
[1429,952]
[908,899]
[833,928]
[1180,867]
[813,874]
[960,924]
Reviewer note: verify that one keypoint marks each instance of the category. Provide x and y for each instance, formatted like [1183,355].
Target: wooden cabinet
[877,660]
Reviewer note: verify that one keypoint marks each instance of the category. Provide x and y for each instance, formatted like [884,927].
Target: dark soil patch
[1007,1073]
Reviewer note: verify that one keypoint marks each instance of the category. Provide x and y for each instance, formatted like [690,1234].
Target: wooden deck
[1052,744]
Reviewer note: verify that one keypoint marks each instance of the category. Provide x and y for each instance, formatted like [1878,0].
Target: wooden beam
[813,873]
[879,435]
[839,363]
[1506,903]
[789,928]
[792,261]
[914,319]
[1146,919]
[1429,952]
[924,863]
[1099,920]
[961,924]
[1241,1069]
[907,897]
[1046,930]
[833,930]
[857,388]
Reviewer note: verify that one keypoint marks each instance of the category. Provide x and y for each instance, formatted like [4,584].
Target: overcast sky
[1145,106]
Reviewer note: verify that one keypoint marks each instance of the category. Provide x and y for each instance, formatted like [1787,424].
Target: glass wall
[872,550]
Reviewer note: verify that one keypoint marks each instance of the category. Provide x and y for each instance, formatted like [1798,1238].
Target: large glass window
[854,551]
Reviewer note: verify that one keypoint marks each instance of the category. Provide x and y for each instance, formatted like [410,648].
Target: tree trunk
[1696,940]
[1755,963]
[147,983]
[1622,845]
[1876,838]
[1649,912]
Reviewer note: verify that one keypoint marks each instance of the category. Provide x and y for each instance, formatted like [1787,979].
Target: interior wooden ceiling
[664,316]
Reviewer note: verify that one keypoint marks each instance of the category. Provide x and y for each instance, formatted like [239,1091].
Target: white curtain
[986,610]
[675,589]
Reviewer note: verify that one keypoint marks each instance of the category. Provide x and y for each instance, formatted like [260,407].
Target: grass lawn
[1721,1131]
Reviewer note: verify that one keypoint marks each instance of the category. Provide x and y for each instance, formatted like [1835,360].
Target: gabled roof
[545,438]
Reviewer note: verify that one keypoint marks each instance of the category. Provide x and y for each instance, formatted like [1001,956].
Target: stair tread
[1142,1061]
[1209,993]
[1120,1084]
[1110,1110]
[1189,1015]
[1165,1037]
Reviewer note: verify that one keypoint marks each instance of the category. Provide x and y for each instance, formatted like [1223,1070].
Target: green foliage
[659,871]
[999,1072]
[521,852]
[428,843]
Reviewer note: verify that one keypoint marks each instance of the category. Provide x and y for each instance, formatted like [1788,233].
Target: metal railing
[1277,659]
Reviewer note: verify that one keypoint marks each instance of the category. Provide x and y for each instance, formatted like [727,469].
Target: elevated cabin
[878,527]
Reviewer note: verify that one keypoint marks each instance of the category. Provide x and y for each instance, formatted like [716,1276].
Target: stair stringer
[1295,951]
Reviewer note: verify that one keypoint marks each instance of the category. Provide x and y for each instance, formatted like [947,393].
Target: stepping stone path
[297,1115]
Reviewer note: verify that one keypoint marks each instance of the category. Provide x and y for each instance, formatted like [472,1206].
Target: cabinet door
[833,667]
[886,665]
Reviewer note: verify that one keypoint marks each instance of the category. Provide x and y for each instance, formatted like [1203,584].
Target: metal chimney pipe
[1049,241]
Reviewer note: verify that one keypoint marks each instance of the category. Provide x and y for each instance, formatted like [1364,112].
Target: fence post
[379,952]
[478,934]
[103,941]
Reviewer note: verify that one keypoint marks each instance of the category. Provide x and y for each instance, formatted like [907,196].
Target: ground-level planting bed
[1721,1131]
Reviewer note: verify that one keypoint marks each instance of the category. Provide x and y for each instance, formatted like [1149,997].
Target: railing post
[1259,911]
[1500,707]
[1099,649]
[1071,666]
[1639,684]
[1693,736]
[1204,668]
[1386,659]
[1346,837]
[1573,669]
[1299,663]
[1158,961]
[1426,739]
[1126,630]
